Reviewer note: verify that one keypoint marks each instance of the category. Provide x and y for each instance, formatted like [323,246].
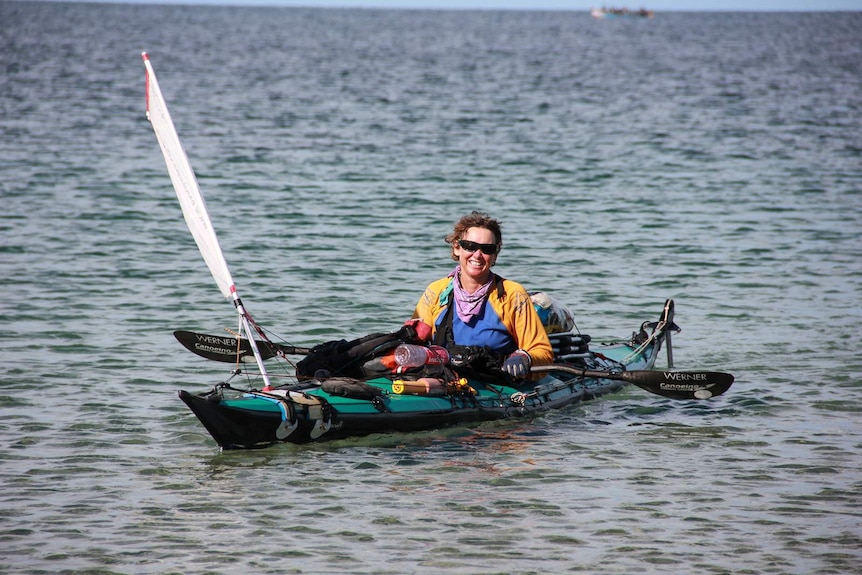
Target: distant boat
[602,13]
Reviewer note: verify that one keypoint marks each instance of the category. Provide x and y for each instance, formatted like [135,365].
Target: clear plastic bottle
[409,355]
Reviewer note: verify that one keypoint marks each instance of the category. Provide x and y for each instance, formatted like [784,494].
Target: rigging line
[659,330]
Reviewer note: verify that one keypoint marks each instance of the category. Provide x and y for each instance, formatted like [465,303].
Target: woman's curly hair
[474,220]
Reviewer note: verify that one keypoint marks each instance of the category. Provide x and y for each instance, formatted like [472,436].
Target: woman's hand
[518,364]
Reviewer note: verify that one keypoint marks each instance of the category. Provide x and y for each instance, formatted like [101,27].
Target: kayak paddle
[226,349]
[673,384]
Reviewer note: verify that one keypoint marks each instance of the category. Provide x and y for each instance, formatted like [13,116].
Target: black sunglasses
[487,249]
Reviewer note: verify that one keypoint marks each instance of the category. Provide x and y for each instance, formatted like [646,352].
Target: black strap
[444,335]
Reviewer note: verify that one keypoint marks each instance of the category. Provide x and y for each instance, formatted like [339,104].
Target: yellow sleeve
[517,313]
[428,307]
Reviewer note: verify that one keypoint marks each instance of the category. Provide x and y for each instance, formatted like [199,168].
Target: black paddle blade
[681,384]
[217,348]
[673,384]
[230,349]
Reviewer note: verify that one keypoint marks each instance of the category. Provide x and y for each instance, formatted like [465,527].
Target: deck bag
[343,358]
[555,317]
[352,388]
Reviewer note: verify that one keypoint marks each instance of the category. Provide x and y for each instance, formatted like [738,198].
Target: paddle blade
[673,384]
[680,384]
[224,349]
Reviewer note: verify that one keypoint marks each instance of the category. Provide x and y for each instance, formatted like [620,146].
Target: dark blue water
[712,158]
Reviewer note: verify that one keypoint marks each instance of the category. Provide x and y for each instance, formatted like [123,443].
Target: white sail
[185,183]
[192,202]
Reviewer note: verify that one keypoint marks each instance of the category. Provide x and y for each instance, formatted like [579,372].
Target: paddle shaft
[673,384]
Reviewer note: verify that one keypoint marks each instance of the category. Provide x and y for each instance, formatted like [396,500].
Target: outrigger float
[373,395]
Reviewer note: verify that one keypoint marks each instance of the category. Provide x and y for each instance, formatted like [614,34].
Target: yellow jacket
[513,309]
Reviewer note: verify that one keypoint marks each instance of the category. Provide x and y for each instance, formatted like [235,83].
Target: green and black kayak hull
[306,412]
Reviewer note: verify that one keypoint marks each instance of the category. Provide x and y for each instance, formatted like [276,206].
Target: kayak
[320,410]
[376,396]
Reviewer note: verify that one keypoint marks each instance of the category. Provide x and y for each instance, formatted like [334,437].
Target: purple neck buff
[468,305]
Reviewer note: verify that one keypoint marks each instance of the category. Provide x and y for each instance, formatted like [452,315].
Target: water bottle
[409,355]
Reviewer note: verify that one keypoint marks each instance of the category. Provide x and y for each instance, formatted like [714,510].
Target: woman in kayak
[488,311]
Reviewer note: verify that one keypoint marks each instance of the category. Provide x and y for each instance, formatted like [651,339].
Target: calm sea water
[712,158]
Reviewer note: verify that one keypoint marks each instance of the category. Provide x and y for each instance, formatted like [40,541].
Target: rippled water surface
[712,158]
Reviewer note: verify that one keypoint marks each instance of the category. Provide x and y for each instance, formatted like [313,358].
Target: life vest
[473,361]
[445,334]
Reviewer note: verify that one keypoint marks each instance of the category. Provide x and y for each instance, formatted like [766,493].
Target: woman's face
[475,265]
